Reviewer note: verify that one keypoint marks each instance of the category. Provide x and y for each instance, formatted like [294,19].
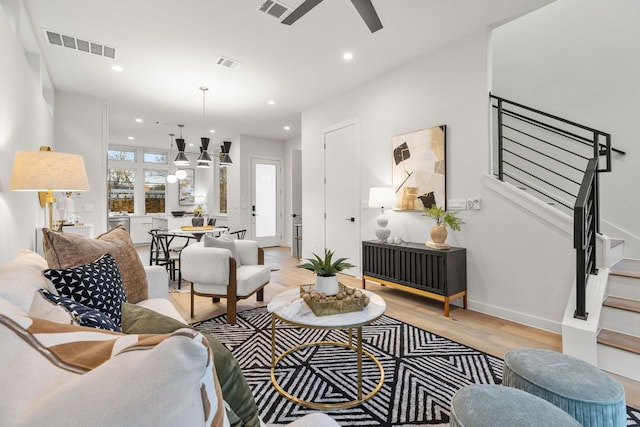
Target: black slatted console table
[413,267]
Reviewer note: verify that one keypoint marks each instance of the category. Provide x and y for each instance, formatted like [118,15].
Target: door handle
[352,219]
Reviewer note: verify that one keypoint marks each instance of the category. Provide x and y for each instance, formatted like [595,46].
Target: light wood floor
[489,334]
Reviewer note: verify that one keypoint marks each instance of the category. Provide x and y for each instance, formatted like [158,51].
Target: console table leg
[464,301]
[446,307]
[364,283]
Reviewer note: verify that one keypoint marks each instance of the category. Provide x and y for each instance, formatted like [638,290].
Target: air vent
[273,8]
[228,63]
[79,44]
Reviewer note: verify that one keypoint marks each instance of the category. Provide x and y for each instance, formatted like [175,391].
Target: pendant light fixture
[171,177]
[201,164]
[225,159]
[204,155]
[181,158]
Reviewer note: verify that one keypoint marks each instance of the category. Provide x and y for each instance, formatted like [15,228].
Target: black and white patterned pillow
[97,285]
[81,314]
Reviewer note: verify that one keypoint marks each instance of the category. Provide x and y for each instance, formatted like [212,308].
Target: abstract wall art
[419,168]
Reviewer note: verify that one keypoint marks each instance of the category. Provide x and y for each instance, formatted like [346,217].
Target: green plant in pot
[443,220]
[325,270]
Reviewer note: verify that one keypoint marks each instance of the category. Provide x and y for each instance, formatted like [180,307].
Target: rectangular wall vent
[273,8]
[228,63]
[71,42]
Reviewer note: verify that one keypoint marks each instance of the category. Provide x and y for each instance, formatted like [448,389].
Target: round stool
[488,405]
[573,385]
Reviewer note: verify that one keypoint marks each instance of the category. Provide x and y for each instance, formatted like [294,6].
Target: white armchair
[214,272]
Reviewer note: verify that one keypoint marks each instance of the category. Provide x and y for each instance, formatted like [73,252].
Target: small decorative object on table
[197,220]
[326,269]
[438,232]
[345,301]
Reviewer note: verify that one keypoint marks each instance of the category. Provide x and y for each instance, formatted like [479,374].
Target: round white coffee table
[305,318]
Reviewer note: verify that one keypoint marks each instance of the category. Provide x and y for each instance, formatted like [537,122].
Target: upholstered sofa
[158,371]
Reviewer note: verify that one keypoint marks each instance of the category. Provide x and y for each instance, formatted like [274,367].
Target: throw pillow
[21,277]
[97,285]
[64,250]
[235,390]
[73,312]
[61,375]
[224,243]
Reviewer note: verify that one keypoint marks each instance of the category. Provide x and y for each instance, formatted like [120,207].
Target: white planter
[328,285]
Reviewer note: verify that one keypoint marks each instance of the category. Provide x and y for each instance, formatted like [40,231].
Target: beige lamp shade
[48,171]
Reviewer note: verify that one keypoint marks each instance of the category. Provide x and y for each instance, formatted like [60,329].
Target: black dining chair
[239,234]
[166,250]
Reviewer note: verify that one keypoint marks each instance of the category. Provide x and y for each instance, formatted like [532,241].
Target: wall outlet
[456,204]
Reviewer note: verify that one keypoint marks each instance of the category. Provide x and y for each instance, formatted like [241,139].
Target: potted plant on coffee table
[325,270]
[444,219]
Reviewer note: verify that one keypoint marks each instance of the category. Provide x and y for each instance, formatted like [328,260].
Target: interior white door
[266,209]
[342,193]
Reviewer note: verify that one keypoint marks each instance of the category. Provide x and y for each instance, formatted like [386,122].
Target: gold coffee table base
[349,345]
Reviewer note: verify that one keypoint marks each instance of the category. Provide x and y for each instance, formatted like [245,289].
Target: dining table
[198,232]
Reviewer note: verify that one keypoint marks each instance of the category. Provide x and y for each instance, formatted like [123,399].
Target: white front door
[342,193]
[266,195]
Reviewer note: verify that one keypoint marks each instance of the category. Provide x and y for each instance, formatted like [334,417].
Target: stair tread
[623,303]
[626,267]
[619,340]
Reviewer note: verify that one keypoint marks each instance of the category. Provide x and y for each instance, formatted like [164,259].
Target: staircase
[618,339]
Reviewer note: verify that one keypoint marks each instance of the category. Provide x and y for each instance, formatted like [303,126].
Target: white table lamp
[381,197]
[48,171]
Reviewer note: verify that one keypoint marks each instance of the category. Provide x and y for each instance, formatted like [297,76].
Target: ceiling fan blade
[368,14]
[300,11]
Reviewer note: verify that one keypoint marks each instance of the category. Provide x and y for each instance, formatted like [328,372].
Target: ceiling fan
[364,8]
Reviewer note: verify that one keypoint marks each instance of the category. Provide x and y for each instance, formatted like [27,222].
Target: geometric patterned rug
[422,370]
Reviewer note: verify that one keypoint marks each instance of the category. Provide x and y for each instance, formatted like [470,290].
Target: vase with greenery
[325,270]
[197,220]
[443,220]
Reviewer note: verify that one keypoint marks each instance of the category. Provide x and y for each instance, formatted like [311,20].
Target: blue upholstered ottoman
[487,405]
[573,385]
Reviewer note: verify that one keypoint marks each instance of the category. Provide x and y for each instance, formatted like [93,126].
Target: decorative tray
[345,301]
[192,228]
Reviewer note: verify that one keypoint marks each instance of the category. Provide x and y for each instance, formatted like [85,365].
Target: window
[222,189]
[121,189]
[154,190]
[158,157]
[122,155]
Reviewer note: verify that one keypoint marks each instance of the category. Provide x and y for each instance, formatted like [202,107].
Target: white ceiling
[169,48]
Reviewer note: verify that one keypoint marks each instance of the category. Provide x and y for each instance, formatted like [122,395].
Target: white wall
[25,124]
[292,185]
[81,127]
[577,59]
[517,266]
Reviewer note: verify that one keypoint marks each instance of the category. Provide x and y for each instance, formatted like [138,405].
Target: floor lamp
[381,197]
[48,171]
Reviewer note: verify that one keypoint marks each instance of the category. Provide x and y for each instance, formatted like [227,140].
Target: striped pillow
[61,375]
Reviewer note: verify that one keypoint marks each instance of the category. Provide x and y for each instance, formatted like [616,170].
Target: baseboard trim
[514,316]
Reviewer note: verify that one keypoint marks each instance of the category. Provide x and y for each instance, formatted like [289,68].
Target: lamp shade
[48,171]
[381,197]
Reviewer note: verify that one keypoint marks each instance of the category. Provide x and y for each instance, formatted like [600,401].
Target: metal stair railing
[557,161]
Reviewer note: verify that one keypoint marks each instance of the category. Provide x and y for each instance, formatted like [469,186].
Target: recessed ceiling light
[212,131]
[117,68]
[348,56]
[271,102]
[130,138]
[191,144]
[287,127]
[139,120]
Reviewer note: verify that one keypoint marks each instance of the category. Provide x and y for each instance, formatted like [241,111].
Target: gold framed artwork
[187,189]
[419,168]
